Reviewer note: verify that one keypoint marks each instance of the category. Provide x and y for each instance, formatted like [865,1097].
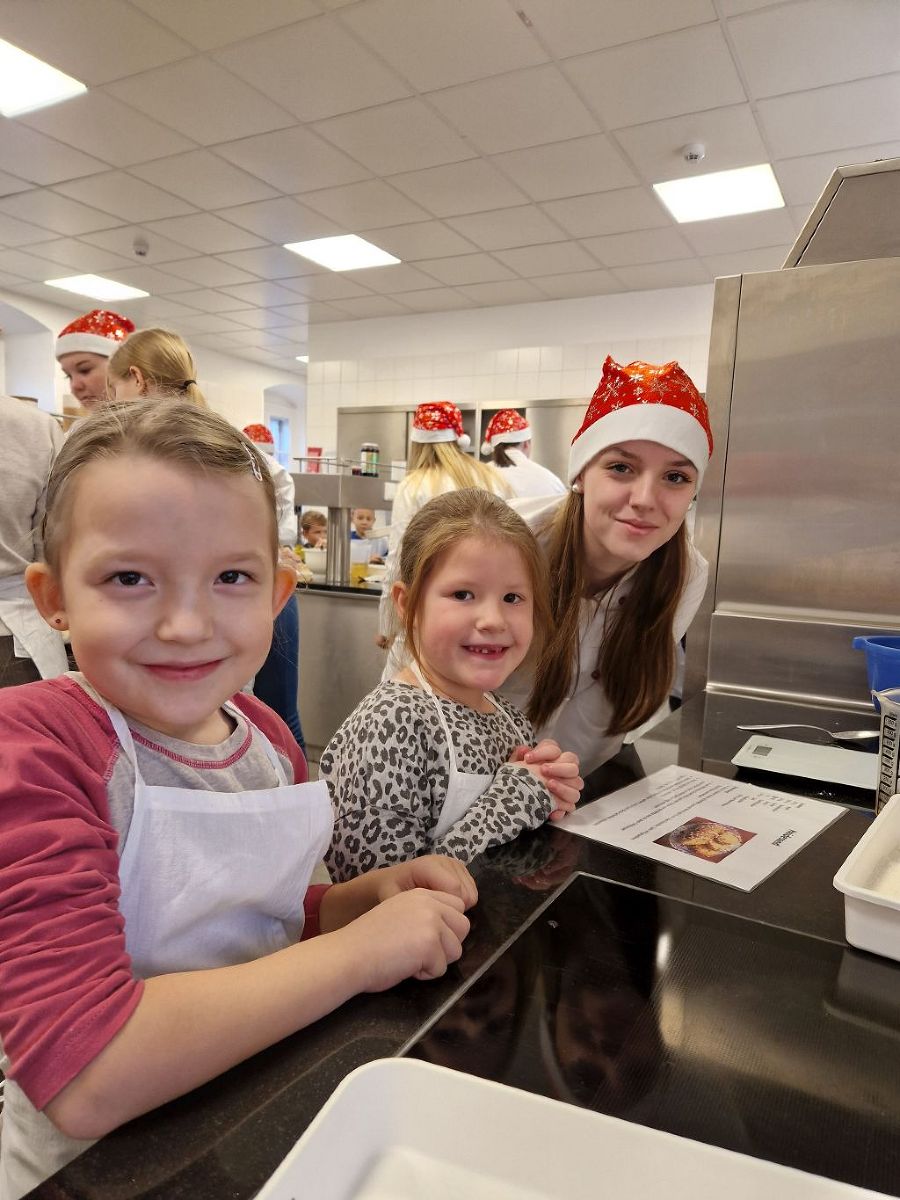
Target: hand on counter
[436,872]
[414,934]
[556,769]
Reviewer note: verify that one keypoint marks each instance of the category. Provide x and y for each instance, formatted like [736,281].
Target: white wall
[511,353]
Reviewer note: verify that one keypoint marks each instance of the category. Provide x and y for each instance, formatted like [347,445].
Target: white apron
[32,636]
[463,787]
[207,879]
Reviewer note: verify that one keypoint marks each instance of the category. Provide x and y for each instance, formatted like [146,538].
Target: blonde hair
[164,361]
[636,660]
[446,521]
[428,460]
[169,431]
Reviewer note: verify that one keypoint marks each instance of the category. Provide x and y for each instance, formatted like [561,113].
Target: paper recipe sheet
[735,833]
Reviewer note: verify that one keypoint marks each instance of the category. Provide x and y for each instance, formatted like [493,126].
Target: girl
[154,362]
[83,350]
[626,579]
[507,440]
[432,760]
[156,833]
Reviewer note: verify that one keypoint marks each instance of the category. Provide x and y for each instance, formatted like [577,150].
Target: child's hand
[556,769]
[435,872]
[414,934]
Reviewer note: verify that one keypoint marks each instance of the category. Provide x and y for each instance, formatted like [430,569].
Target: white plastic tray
[400,1129]
[871,918]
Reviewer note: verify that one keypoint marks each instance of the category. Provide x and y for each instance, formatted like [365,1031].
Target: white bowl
[315,560]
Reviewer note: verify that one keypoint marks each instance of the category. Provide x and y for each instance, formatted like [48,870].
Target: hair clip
[254,467]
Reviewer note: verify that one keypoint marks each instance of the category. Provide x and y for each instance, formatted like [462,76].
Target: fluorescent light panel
[721,194]
[346,253]
[96,287]
[303,358]
[26,83]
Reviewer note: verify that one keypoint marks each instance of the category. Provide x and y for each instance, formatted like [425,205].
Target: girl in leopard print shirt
[433,761]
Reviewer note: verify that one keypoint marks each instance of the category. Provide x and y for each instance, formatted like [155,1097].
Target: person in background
[157,363]
[31,439]
[626,580]
[313,529]
[508,440]
[437,464]
[149,944]
[278,679]
[363,522]
[432,761]
[83,349]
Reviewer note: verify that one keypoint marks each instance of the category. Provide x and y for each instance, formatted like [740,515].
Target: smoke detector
[693,152]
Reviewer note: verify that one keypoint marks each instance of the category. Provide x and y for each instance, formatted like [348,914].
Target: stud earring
[578,486]
[57,620]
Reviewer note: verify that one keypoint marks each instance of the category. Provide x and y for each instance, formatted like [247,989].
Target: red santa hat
[260,435]
[97,332]
[644,402]
[439,421]
[506,425]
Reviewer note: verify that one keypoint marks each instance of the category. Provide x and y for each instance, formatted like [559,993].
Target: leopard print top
[388,769]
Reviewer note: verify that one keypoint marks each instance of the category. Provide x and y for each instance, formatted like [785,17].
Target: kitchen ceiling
[503,149]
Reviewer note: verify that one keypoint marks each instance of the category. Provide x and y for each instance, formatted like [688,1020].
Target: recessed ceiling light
[303,358]
[346,253]
[26,83]
[96,287]
[721,194]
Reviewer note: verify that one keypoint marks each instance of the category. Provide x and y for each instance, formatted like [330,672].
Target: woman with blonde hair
[437,464]
[154,362]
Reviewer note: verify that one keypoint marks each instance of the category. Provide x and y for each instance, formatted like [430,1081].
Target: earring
[578,486]
[57,621]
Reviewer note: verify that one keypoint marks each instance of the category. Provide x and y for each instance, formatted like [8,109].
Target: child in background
[156,833]
[431,760]
[313,529]
[156,364]
[363,520]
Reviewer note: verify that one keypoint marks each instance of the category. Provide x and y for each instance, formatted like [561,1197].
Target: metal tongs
[850,736]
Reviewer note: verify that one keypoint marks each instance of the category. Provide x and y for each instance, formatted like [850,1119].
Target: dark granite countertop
[226,1138]
[352,589]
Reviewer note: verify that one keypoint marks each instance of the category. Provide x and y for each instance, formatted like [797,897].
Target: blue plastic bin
[882,662]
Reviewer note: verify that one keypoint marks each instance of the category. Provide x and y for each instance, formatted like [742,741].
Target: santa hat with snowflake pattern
[439,421]
[97,332]
[260,435]
[506,425]
[644,402]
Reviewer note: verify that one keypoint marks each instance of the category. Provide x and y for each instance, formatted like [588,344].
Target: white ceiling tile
[56,213]
[288,313]
[92,40]
[424,239]
[293,160]
[201,100]
[14,232]
[767,258]
[247,337]
[367,205]
[731,137]
[576,26]
[158,283]
[579,283]
[849,114]
[395,278]
[462,187]
[260,318]
[295,68]
[121,241]
[803,179]
[508,227]
[467,268]
[155,310]
[281,220]
[121,194]
[570,168]
[439,299]
[210,23]
[554,259]
[81,256]
[654,79]
[209,272]
[100,125]
[204,179]
[271,262]
[663,275]
[524,108]
[205,232]
[210,301]
[40,159]
[746,232]
[403,136]
[31,267]
[209,323]
[263,294]
[644,246]
[841,40]
[608,212]
[731,7]
[371,306]
[14,282]
[9,184]
[515,291]
[434,44]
